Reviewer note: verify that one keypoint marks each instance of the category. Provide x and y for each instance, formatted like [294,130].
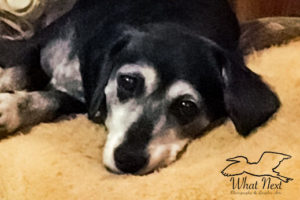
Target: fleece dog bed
[62,160]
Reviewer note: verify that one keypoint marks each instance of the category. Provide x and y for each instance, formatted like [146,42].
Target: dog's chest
[64,69]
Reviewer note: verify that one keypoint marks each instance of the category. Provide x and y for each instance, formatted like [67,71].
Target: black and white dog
[158,73]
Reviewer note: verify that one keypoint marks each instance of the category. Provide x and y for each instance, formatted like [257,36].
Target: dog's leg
[13,78]
[22,77]
[19,109]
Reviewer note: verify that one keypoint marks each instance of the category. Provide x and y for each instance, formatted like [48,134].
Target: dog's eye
[127,82]
[184,110]
[129,86]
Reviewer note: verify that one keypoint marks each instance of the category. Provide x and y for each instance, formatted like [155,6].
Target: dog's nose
[129,160]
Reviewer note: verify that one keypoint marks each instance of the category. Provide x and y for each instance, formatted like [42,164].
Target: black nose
[129,160]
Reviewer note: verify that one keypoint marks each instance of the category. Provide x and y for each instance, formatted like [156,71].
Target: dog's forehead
[181,88]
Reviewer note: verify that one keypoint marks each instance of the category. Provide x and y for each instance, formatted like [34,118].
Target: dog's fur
[158,73]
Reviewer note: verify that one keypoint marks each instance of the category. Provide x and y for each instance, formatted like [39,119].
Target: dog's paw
[10,107]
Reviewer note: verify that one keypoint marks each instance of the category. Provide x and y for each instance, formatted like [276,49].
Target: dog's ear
[97,105]
[249,102]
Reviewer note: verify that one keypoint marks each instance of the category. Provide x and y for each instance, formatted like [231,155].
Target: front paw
[10,108]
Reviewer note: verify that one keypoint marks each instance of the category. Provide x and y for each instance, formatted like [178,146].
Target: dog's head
[161,87]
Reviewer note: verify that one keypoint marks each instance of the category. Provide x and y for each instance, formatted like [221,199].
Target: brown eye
[188,108]
[184,110]
[129,86]
[127,83]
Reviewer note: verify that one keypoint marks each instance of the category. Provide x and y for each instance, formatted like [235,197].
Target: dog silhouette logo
[266,166]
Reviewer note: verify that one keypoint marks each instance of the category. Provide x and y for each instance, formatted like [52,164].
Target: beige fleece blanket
[62,160]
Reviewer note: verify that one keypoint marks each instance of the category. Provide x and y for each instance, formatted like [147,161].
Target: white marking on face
[118,122]
[63,70]
[121,116]
[180,88]
[163,150]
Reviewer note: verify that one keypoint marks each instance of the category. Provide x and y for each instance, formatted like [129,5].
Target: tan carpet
[63,160]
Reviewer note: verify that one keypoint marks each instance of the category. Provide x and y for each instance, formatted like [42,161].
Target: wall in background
[251,9]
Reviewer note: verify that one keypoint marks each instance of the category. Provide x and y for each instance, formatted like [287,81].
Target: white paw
[10,104]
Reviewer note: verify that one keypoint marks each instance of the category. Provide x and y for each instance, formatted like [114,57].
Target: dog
[157,73]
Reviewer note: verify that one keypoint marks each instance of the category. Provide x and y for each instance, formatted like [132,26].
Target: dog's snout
[129,160]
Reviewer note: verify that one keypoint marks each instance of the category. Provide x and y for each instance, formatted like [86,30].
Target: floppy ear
[249,102]
[97,105]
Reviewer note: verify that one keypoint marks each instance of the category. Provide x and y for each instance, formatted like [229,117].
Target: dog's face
[149,122]
[164,88]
